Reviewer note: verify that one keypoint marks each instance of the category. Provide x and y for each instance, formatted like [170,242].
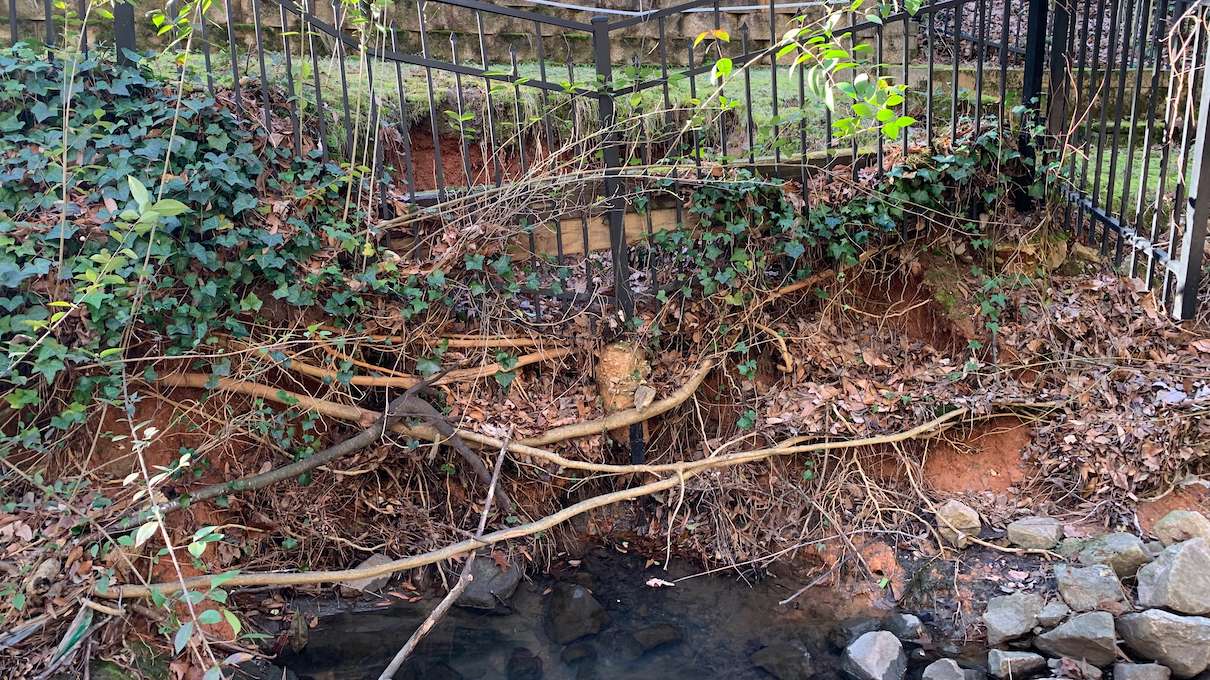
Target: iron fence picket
[1098,68]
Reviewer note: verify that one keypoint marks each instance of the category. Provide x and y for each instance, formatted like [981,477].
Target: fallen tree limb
[627,417]
[405,380]
[683,471]
[456,340]
[406,404]
[353,413]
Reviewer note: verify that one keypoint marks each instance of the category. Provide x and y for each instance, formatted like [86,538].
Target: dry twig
[684,471]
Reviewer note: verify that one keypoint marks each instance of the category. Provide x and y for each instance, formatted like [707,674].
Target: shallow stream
[711,626]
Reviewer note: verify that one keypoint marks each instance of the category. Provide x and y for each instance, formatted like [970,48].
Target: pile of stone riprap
[1122,608]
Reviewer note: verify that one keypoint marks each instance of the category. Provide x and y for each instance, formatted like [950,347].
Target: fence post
[1035,53]
[123,29]
[616,207]
[1056,99]
[615,210]
[1188,268]
[1031,88]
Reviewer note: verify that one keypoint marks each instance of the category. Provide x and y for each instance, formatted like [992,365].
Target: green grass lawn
[646,114]
[1155,179]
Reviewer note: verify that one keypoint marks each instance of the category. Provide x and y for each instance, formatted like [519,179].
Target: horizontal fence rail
[469,98]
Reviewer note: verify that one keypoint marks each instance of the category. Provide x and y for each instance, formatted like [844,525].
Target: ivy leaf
[427,366]
[181,639]
[209,617]
[138,192]
[233,621]
[243,202]
[250,303]
[169,207]
[505,378]
[145,532]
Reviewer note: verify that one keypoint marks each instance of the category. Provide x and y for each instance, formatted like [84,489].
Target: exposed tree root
[397,379]
[358,362]
[355,414]
[682,472]
[457,340]
[407,404]
[628,417]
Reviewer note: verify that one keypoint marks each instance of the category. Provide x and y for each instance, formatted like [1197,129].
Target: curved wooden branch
[407,404]
[456,340]
[683,472]
[404,380]
[355,414]
[628,417]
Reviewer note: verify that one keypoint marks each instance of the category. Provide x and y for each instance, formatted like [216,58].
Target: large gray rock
[876,655]
[906,627]
[784,661]
[491,585]
[1014,665]
[1124,552]
[943,669]
[1089,588]
[1039,533]
[1179,579]
[1053,614]
[956,522]
[1011,616]
[1181,643]
[1181,525]
[1140,671]
[573,613]
[1088,637]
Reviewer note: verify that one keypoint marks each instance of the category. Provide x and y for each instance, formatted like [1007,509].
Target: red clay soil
[424,161]
[987,459]
[909,307]
[1192,497]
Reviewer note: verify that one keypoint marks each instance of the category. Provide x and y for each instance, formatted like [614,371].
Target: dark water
[708,627]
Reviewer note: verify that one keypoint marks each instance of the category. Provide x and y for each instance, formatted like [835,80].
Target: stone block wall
[503,34]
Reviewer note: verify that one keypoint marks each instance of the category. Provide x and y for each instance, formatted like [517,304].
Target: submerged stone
[784,661]
[573,613]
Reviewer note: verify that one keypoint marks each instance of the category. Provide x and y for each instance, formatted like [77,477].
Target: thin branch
[684,470]
[464,580]
[395,410]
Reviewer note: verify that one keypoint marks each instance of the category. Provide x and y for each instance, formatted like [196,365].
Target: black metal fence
[1127,95]
[463,96]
